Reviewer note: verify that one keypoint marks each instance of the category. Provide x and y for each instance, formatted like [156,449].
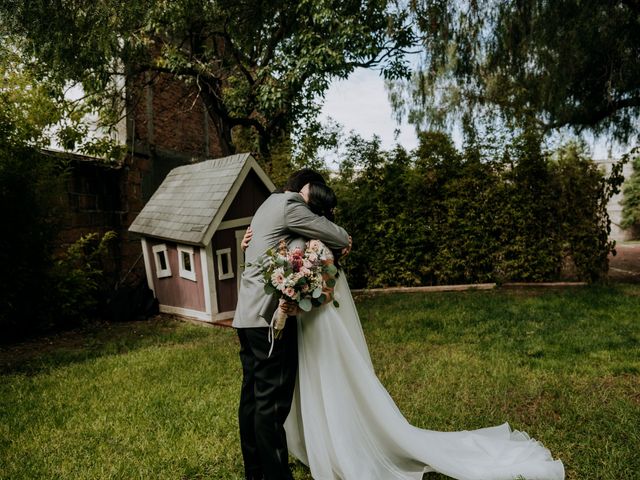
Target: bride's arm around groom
[282,216]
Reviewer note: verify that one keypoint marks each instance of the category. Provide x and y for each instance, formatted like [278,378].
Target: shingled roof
[192,200]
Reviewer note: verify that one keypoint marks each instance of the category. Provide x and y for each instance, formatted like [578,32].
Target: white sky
[361,104]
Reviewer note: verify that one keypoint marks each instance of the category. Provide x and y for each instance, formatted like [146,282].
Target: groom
[268,381]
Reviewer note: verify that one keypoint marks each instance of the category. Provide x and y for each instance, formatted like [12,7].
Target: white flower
[277,277]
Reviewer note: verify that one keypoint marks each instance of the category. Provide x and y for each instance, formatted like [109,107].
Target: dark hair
[299,179]
[322,201]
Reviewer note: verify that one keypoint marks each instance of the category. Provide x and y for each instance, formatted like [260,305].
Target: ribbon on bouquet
[270,336]
[276,326]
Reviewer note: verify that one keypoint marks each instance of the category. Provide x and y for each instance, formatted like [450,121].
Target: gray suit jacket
[281,216]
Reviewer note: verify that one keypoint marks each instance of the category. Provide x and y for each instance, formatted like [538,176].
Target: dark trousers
[265,400]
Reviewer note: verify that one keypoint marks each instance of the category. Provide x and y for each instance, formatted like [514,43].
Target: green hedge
[484,214]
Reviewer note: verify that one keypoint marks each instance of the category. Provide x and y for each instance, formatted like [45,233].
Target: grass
[158,399]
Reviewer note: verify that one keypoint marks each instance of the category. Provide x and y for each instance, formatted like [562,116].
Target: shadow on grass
[563,326]
[48,353]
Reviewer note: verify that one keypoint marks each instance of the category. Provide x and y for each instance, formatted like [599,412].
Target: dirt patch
[81,342]
[24,351]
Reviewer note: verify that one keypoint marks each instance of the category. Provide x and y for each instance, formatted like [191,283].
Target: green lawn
[151,400]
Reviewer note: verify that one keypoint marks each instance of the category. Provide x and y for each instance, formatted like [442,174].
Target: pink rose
[295,257]
[290,292]
[305,271]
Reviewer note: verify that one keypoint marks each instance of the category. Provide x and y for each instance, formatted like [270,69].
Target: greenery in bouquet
[304,277]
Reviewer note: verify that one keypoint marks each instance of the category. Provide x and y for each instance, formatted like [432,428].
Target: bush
[29,188]
[581,208]
[37,293]
[439,215]
[79,279]
[40,292]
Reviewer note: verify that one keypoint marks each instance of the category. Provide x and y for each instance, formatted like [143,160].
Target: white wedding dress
[344,425]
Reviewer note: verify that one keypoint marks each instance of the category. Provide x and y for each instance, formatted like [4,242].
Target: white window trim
[220,254]
[184,273]
[160,273]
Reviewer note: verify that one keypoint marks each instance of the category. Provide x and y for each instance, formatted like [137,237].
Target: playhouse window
[186,263]
[225,268]
[163,269]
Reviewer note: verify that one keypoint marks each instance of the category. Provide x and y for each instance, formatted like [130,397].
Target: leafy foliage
[29,185]
[439,215]
[569,63]
[40,108]
[78,276]
[38,291]
[258,65]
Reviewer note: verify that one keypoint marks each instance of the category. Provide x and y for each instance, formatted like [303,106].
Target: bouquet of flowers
[306,277]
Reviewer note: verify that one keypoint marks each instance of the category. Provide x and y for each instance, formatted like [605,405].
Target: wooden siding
[227,290]
[176,291]
[250,196]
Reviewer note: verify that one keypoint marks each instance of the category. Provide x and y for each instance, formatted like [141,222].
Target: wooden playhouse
[191,230]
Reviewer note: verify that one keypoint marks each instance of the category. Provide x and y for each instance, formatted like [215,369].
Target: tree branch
[237,55]
[274,40]
[592,118]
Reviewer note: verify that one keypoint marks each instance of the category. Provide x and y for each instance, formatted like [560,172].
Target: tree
[564,63]
[256,64]
[29,186]
[43,288]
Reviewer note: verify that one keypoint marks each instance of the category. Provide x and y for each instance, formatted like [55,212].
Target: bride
[344,425]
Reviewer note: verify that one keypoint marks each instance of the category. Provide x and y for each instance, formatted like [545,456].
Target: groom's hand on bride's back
[346,250]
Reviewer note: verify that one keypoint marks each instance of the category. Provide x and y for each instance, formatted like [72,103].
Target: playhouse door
[225,261]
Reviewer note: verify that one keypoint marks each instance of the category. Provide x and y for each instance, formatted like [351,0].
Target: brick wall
[169,119]
[92,204]
[167,126]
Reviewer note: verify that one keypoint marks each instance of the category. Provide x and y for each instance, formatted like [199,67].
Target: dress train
[344,425]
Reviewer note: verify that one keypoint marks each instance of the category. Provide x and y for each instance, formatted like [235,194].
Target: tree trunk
[225,139]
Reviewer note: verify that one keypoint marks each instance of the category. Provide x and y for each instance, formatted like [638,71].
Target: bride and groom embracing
[313,392]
